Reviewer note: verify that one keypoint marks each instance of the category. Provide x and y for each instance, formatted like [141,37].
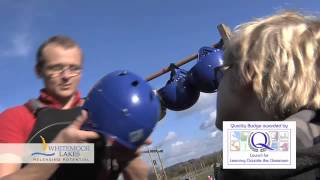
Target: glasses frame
[219,71]
[73,70]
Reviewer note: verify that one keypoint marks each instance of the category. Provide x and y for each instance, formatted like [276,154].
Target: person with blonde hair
[271,72]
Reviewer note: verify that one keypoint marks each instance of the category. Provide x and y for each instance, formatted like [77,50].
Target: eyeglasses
[57,69]
[218,73]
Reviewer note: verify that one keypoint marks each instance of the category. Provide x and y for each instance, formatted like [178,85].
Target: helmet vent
[135,83]
[123,73]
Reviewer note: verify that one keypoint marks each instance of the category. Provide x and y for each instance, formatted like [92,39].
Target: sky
[142,36]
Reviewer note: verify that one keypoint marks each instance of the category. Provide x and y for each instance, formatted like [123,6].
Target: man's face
[61,70]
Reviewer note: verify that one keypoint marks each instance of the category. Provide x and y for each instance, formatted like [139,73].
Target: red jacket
[17,123]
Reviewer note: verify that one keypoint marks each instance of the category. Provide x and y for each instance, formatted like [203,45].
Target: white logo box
[47,153]
[259,145]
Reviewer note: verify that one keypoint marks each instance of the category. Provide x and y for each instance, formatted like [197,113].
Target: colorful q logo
[260,140]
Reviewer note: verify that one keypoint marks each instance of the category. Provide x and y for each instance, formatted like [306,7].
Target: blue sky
[142,36]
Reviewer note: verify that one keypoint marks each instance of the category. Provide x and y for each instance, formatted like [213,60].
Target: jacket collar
[50,101]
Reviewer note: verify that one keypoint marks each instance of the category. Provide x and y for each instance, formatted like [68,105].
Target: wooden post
[224,33]
[187,173]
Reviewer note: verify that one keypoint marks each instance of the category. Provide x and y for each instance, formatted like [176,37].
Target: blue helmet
[178,94]
[122,105]
[203,74]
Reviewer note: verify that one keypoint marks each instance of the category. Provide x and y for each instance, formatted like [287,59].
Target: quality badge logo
[259,141]
[259,145]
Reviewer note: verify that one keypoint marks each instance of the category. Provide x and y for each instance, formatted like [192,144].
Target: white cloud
[19,45]
[206,108]
[214,133]
[206,103]
[209,124]
[213,114]
[177,150]
[171,136]
[19,42]
[180,151]
[22,44]
[177,143]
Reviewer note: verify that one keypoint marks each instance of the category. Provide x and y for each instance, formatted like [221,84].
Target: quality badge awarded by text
[259,145]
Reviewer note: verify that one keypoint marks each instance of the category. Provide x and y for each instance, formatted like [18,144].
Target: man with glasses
[59,64]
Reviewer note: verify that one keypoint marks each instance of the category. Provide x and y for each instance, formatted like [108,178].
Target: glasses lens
[57,70]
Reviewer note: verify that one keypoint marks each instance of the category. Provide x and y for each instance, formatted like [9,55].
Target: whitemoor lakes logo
[259,145]
[47,153]
[45,149]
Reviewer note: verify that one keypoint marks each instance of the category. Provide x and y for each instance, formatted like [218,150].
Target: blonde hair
[279,57]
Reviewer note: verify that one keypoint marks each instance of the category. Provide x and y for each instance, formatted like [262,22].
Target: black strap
[49,122]
[34,105]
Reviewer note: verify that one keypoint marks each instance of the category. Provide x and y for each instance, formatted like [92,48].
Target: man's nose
[66,74]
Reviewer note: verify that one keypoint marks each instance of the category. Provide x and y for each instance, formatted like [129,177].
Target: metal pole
[164,172]
[154,168]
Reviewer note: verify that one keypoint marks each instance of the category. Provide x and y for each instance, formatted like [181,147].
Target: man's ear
[38,72]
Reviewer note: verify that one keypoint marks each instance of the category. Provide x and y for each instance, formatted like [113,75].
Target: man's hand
[127,161]
[131,165]
[73,134]
[137,169]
